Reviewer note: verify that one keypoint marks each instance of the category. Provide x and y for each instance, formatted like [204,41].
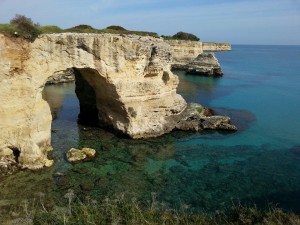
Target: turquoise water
[259,164]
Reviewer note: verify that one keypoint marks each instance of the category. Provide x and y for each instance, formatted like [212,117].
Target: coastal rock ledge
[126,81]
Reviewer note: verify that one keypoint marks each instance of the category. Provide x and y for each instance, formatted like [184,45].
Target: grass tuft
[120,210]
[50,29]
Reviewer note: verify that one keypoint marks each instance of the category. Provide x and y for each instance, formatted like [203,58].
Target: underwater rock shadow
[288,201]
[239,117]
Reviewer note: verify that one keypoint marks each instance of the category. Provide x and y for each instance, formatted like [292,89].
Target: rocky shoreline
[194,57]
[125,80]
[205,64]
[197,117]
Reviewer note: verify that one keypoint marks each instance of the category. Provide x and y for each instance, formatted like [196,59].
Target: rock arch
[130,75]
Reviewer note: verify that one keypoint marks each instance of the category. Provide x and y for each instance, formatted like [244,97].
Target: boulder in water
[75,155]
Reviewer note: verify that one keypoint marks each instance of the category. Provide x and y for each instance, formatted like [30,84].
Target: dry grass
[119,210]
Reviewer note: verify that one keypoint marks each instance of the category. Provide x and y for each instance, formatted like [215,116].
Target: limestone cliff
[215,47]
[127,84]
[205,64]
[135,89]
[184,51]
[190,56]
[61,77]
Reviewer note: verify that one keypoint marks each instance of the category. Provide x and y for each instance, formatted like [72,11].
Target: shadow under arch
[98,100]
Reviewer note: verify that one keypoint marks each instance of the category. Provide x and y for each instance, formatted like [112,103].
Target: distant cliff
[185,51]
[191,56]
[215,47]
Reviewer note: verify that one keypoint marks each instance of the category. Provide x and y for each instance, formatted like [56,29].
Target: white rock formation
[131,88]
[184,52]
[135,89]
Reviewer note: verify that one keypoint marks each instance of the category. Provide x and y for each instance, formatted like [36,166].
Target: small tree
[19,19]
[186,36]
[83,27]
[115,27]
[26,26]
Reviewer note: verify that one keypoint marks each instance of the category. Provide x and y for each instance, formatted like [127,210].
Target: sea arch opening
[93,98]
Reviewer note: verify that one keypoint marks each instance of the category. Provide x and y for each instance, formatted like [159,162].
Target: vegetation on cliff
[182,36]
[23,26]
[115,27]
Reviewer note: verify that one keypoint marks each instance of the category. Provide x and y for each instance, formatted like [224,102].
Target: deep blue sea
[208,171]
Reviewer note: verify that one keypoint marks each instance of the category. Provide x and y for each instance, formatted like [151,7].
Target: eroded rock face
[215,47]
[184,52]
[125,82]
[134,87]
[206,65]
[190,57]
[61,77]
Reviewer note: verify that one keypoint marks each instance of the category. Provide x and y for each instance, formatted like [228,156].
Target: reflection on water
[193,87]
[54,95]
[207,170]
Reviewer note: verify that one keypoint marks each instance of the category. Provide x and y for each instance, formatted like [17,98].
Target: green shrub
[115,27]
[185,36]
[83,27]
[50,29]
[21,19]
[25,27]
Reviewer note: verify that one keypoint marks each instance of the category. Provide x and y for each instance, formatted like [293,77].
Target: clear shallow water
[258,164]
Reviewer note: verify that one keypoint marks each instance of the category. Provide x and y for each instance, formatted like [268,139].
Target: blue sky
[233,21]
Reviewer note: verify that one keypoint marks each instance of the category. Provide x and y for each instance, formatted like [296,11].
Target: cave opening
[71,99]
[16,153]
[89,103]
[88,113]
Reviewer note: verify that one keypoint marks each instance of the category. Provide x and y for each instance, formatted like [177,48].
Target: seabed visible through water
[259,164]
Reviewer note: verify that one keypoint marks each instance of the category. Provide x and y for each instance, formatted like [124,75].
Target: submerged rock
[75,155]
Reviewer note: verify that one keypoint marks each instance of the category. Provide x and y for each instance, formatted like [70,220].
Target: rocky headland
[125,80]
[196,57]
[205,64]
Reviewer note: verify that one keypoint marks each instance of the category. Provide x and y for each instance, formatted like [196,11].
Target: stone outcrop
[190,56]
[196,117]
[133,88]
[61,77]
[204,64]
[184,51]
[75,155]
